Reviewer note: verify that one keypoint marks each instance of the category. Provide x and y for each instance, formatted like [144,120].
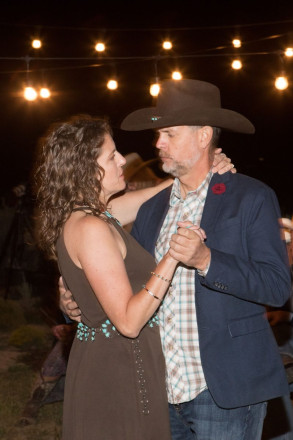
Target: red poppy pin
[219,188]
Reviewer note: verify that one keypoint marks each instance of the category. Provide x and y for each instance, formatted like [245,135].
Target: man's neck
[192,180]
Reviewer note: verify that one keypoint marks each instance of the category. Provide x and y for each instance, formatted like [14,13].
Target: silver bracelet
[151,293]
[162,278]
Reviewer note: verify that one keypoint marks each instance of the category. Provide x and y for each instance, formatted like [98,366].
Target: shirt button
[185,216]
[169,319]
[170,347]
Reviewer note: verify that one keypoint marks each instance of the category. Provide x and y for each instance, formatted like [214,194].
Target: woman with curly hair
[115,380]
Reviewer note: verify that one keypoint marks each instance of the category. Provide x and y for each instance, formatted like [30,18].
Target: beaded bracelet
[162,278]
[151,293]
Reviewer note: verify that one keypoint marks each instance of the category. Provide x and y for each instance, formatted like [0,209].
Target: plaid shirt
[177,315]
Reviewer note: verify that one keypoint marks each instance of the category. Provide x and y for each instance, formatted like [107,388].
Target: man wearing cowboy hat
[222,362]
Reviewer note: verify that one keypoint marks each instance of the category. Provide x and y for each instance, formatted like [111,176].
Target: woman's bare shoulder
[92,225]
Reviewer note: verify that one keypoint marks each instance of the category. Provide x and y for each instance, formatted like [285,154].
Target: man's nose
[159,143]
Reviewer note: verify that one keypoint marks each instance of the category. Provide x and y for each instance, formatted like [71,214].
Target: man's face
[178,149]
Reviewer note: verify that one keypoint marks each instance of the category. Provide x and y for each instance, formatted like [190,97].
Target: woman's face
[112,162]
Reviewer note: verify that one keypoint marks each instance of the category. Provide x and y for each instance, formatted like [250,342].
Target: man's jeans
[202,419]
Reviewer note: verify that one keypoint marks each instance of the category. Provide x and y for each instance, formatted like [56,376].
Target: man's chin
[167,168]
[170,170]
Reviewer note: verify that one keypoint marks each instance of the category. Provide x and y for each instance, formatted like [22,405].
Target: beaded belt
[107,329]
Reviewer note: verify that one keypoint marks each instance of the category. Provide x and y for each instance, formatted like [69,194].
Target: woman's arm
[125,207]
[99,251]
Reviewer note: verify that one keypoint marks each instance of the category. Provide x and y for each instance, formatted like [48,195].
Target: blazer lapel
[216,193]
[157,217]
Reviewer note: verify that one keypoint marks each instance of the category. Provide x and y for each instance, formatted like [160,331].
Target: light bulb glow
[289,52]
[176,75]
[112,84]
[236,43]
[281,83]
[236,64]
[30,94]
[100,47]
[45,93]
[155,89]
[36,44]
[167,45]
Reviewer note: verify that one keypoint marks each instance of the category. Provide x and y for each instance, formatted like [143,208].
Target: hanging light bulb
[289,52]
[236,43]
[112,84]
[30,94]
[36,44]
[176,75]
[281,83]
[167,45]
[155,89]
[236,64]
[45,93]
[100,47]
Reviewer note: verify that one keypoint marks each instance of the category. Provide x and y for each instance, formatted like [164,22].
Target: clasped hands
[188,246]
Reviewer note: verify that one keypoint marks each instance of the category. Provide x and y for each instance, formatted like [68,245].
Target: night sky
[201,35]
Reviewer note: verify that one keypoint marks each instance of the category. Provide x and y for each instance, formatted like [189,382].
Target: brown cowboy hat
[187,102]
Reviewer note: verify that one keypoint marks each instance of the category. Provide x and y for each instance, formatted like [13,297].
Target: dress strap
[85,208]
[94,212]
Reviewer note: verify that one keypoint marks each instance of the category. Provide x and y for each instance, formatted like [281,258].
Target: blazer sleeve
[248,257]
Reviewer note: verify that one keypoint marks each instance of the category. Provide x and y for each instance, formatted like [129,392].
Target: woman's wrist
[169,259]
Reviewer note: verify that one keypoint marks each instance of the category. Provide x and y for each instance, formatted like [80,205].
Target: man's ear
[206,134]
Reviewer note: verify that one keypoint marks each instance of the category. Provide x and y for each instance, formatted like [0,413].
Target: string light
[236,64]
[176,75]
[155,89]
[45,93]
[167,45]
[112,84]
[289,52]
[30,94]
[36,44]
[236,43]
[100,47]
[281,83]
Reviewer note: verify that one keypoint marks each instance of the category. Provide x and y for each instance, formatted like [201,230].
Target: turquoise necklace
[112,216]
[107,214]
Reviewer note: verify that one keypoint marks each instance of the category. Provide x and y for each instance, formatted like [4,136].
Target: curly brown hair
[67,174]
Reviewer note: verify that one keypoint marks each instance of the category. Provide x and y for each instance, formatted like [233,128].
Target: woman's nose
[122,160]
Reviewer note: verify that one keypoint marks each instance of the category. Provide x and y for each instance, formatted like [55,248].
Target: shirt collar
[176,193]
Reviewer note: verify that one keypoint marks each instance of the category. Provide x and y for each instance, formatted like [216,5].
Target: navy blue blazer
[249,269]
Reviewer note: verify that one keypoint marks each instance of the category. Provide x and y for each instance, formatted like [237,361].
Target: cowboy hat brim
[152,118]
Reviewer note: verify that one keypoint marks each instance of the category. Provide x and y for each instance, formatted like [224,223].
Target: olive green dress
[115,386]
